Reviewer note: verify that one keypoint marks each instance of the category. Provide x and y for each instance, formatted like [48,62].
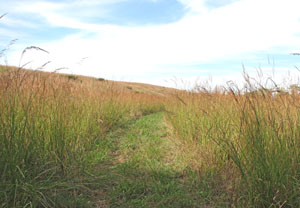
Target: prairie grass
[248,139]
[70,141]
[52,134]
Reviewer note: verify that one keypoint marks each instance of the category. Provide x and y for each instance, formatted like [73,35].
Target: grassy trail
[73,141]
[140,172]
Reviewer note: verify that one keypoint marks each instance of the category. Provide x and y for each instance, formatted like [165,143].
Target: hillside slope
[102,83]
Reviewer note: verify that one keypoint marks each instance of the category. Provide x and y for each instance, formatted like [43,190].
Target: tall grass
[267,148]
[50,126]
[248,138]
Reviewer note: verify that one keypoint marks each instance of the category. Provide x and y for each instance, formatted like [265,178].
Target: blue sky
[154,41]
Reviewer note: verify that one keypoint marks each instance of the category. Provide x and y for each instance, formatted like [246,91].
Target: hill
[137,88]
[76,141]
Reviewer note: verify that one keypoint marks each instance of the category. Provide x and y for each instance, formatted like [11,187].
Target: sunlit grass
[250,140]
[70,140]
[50,128]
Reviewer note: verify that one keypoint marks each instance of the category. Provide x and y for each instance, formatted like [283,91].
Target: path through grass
[140,173]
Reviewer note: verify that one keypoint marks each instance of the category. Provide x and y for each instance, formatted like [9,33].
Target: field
[75,141]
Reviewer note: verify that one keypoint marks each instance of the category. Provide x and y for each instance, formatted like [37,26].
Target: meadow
[75,141]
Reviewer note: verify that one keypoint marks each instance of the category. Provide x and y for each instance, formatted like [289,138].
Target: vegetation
[53,134]
[73,77]
[248,141]
[75,141]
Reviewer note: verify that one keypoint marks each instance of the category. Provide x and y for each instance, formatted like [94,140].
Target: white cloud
[71,14]
[196,6]
[8,33]
[203,35]
[14,22]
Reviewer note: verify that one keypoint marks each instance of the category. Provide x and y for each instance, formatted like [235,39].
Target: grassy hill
[120,85]
[76,141]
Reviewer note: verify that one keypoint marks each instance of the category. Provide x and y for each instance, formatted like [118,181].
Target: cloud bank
[206,33]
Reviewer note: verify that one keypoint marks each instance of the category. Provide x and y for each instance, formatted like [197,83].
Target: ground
[140,171]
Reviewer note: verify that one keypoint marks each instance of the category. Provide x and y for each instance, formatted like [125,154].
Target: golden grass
[51,131]
[246,144]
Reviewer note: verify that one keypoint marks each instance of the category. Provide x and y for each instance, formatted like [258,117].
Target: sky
[163,42]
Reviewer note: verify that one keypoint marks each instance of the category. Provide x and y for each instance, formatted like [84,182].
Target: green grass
[142,175]
[51,136]
[256,136]
[65,143]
